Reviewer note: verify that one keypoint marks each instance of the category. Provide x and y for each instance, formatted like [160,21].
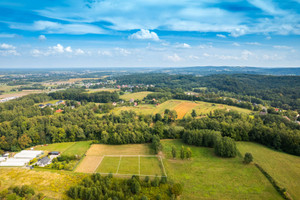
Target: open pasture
[67,148]
[283,167]
[135,96]
[207,176]
[182,107]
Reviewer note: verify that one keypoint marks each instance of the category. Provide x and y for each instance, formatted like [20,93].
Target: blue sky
[149,33]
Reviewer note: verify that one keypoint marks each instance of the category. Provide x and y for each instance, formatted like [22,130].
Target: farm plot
[135,96]
[133,159]
[142,165]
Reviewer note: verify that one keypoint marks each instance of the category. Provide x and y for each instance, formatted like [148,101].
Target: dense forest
[24,124]
[98,187]
[279,91]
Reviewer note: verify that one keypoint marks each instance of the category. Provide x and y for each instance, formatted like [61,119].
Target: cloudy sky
[149,33]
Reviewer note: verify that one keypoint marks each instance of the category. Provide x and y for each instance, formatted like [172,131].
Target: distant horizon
[87,68]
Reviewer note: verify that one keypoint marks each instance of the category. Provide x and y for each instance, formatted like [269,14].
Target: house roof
[54,152]
[44,160]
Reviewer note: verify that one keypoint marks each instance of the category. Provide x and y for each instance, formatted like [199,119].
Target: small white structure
[2,159]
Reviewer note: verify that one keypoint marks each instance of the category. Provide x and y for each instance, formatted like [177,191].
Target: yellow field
[125,149]
[52,184]
[89,164]
[135,96]
[103,89]
[182,107]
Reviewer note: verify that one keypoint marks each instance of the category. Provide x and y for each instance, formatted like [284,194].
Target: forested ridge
[280,91]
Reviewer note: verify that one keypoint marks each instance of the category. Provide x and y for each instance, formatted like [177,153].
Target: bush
[177,189]
[248,158]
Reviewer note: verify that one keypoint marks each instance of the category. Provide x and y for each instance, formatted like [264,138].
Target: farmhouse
[44,161]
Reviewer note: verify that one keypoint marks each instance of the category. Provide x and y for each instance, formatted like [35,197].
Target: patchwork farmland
[124,160]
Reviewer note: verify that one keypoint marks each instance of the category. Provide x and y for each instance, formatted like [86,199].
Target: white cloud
[144,35]
[7,49]
[221,35]
[236,44]
[174,58]
[193,57]
[54,27]
[57,49]
[79,52]
[246,54]
[105,53]
[236,32]
[281,47]
[68,49]
[5,46]
[267,6]
[6,35]
[183,45]
[122,51]
[42,37]
[253,43]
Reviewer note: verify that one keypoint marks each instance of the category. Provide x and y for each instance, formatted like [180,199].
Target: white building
[20,159]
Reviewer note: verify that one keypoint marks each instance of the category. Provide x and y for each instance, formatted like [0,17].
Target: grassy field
[182,107]
[106,158]
[206,176]
[67,148]
[79,148]
[52,184]
[135,96]
[109,165]
[284,168]
[129,165]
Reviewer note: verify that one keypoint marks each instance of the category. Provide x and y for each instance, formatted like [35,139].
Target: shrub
[176,189]
[248,158]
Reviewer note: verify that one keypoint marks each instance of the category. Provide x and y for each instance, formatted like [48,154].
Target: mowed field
[207,176]
[284,168]
[52,184]
[121,160]
[67,148]
[182,107]
[135,96]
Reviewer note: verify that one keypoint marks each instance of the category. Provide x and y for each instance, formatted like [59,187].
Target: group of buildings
[24,157]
